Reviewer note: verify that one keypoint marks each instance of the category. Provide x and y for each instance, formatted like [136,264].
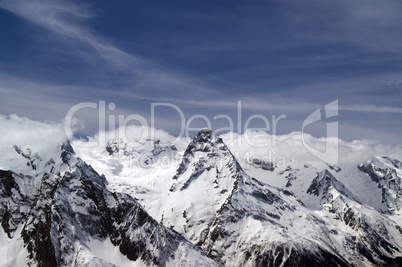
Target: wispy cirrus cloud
[67,19]
[370,108]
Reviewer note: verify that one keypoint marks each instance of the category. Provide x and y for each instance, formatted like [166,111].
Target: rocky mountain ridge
[208,209]
[59,214]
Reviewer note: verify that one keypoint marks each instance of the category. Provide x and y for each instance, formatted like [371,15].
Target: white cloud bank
[45,137]
[41,137]
[289,147]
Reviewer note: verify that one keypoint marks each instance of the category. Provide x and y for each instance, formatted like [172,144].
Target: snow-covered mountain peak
[66,146]
[204,135]
[386,172]
[209,157]
[205,178]
[204,141]
[327,188]
[67,152]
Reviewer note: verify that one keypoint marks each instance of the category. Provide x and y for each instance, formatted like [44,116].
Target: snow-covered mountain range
[211,201]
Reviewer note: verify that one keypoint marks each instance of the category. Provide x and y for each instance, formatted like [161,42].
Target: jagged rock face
[287,254]
[371,237]
[383,171]
[204,154]
[326,186]
[14,203]
[253,228]
[32,158]
[72,206]
[241,212]
[202,183]
[260,225]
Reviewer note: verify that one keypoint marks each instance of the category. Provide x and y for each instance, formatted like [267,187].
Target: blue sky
[276,57]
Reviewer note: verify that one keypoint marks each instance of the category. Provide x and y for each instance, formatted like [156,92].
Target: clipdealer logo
[328,150]
[325,149]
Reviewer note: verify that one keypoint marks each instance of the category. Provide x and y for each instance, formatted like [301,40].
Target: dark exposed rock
[290,177]
[334,167]
[39,241]
[267,166]
[8,182]
[75,205]
[282,254]
[11,200]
